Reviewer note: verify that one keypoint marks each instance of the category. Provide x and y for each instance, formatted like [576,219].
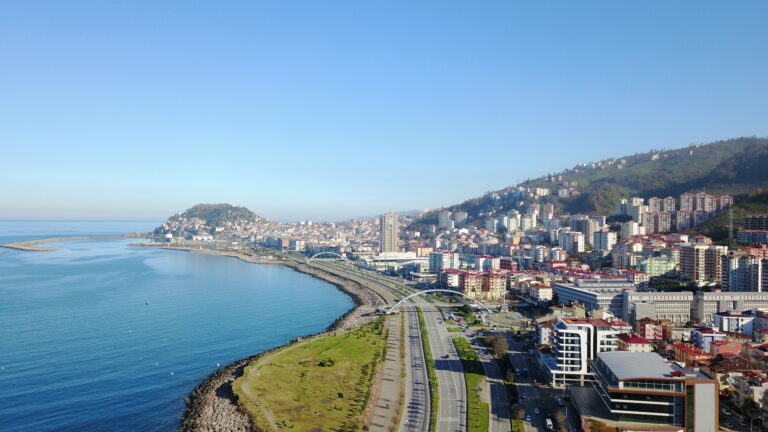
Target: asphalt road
[416,413]
[452,414]
[500,412]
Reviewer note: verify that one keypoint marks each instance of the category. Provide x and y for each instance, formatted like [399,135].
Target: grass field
[321,384]
[478,413]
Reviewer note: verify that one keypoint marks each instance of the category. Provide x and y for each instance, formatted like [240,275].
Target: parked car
[528,418]
[726,411]
[536,411]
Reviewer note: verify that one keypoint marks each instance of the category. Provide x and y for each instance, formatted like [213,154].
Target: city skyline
[142,111]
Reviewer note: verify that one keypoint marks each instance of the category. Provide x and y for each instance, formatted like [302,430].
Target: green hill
[212,215]
[735,166]
[217,214]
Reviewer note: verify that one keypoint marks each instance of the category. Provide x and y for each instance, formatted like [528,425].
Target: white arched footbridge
[326,253]
[391,310]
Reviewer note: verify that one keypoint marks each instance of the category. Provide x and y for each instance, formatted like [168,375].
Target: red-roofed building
[724,347]
[633,343]
[650,329]
[688,354]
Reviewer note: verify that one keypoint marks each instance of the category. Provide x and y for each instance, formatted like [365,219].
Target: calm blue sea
[80,350]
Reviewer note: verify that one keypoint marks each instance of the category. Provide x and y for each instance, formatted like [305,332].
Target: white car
[528,418]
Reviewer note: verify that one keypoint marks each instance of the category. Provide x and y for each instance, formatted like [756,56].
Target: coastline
[212,405]
[29,245]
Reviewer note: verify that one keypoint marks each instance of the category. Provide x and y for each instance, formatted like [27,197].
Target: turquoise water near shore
[81,350]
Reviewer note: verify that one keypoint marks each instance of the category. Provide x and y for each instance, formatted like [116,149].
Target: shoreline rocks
[213,406]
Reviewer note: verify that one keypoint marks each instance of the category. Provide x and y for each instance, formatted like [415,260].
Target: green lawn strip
[324,383]
[477,412]
[453,330]
[434,397]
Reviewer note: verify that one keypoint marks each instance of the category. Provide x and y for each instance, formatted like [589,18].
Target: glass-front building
[641,391]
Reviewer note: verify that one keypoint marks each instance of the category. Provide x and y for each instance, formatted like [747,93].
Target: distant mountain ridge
[735,166]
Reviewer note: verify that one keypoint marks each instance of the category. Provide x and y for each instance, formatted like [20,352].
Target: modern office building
[707,304]
[595,294]
[673,306]
[639,391]
[390,231]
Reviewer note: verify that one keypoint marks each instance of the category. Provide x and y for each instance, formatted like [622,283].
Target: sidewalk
[387,398]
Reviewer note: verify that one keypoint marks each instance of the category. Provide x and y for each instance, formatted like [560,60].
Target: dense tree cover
[218,214]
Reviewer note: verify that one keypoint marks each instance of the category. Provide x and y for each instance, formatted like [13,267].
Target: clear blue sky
[325,110]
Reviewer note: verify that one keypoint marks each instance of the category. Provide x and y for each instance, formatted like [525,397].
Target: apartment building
[701,263]
[575,342]
[743,273]
[756,222]
[439,261]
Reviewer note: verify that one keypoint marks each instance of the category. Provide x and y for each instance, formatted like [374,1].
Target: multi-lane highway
[450,375]
[452,414]
[416,413]
[500,413]
[416,403]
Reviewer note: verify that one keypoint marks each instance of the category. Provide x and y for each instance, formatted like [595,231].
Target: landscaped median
[478,413]
[431,373]
[322,383]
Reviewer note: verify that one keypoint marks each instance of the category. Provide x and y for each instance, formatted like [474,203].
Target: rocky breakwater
[213,406]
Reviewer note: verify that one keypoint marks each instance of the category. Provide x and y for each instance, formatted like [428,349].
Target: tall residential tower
[389,232]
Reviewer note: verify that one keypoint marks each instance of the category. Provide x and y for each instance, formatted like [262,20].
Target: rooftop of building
[688,348]
[595,322]
[633,339]
[629,365]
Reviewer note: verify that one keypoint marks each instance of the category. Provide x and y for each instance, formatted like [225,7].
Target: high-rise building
[585,225]
[631,228]
[390,230]
[687,201]
[657,222]
[460,217]
[443,218]
[669,204]
[701,263]
[439,261]
[604,240]
[571,241]
[744,273]
[684,220]
[758,222]
[576,341]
